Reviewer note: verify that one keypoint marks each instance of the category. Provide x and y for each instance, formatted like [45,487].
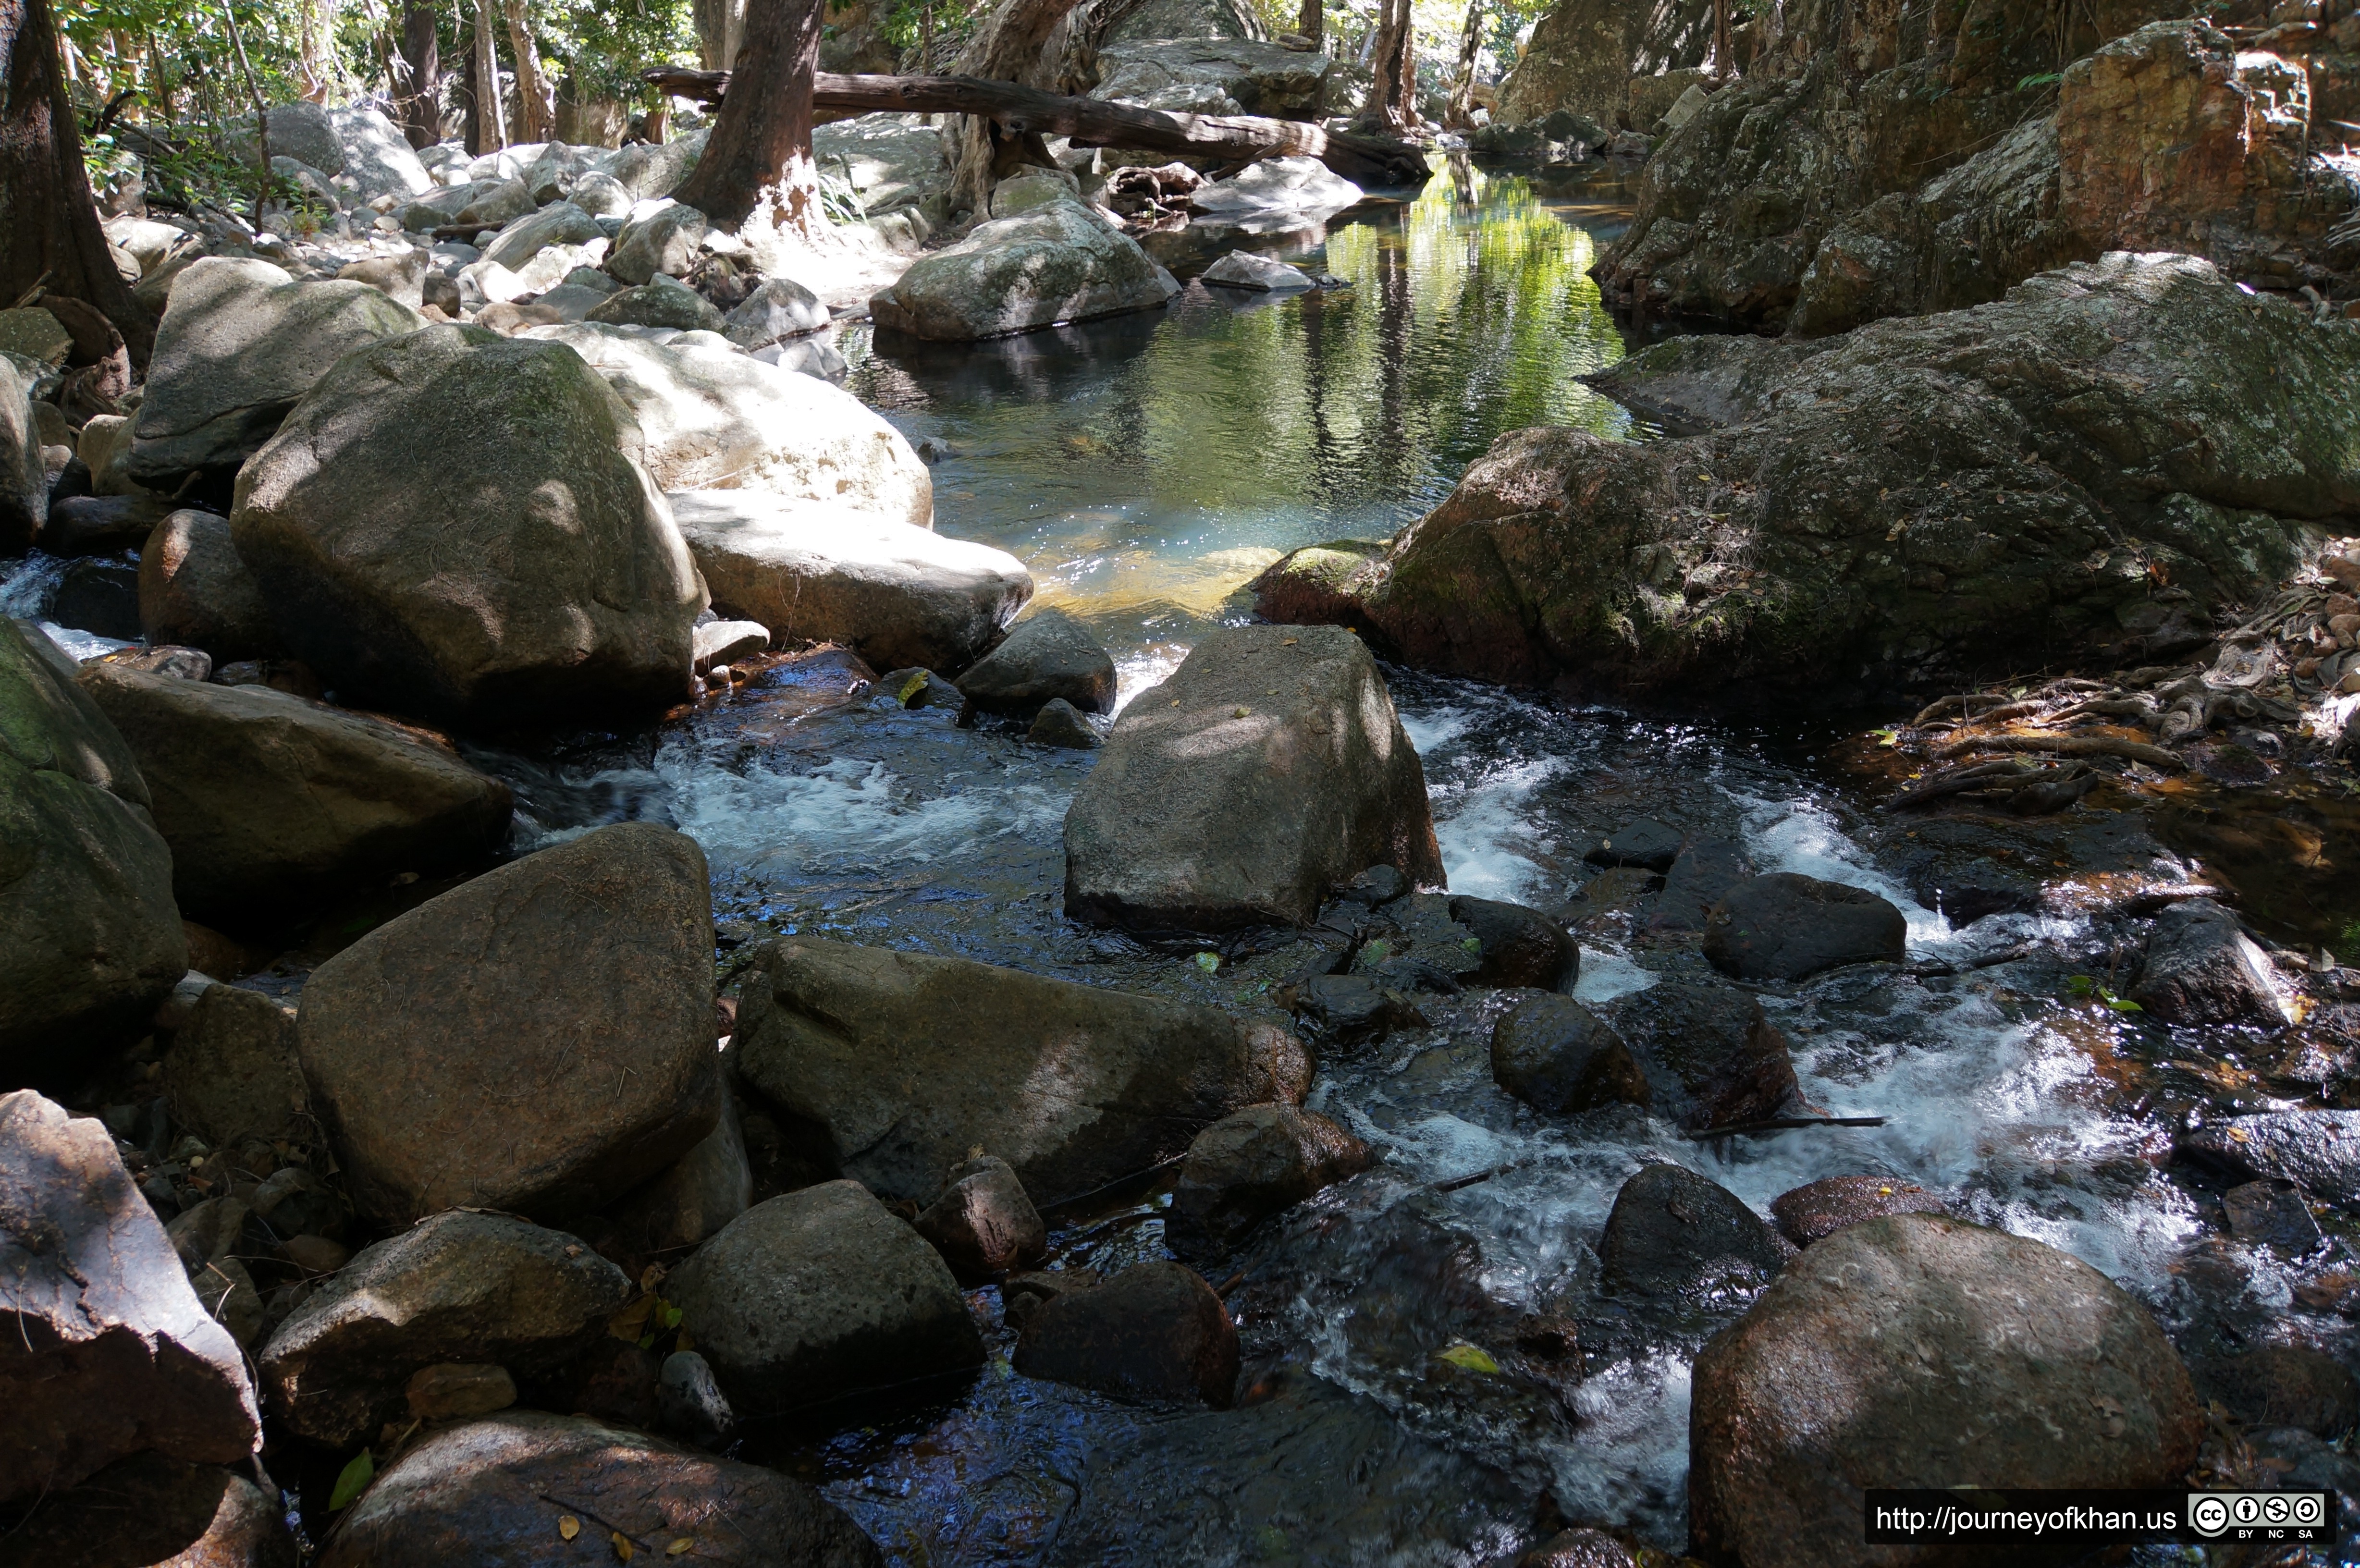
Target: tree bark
[1014,43]
[1391,107]
[489,131]
[420,106]
[1460,114]
[720,31]
[759,159]
[1312,23]
[50,223]
[1090,122]
[1723,49]
[535,113]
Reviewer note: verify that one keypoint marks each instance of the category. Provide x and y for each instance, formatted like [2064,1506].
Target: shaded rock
[1047,656]
[614,1380]
[540,1038]
[893,160]
[704,1190]
[268,801]
[1712,1056]
[899,1063]
[1583,54]
[2282,1385]
[1320,584]
[150,1511]
[818,1294]
[899,596]
[2051,1374]
[1252,1164]
[456,1391]
[664,242]
[90,941]
[240,342]
[102,525]
[914,690]
[663,303]
[468,1288]
[233,1071]
[689,1400]
[1559,1058]
[1351,1009]
[1056,263]
[480,1494]
[573,593]
[194,590]
[714,418]
[24,474]
[1416,945]
[778,308]
[1645,841]
[2317,1150]
[1785,927]
[113,1353]
[2201,968]
[1706,872]
[1675,1233]
[984,1224]
[2273,1214]
[1261,274]
[1059,723]
[1153,1333]
[1277,187]
[402,278]
[1212,76]
[1376,886]
[1520,946]
[99,596]
[1816,1211]
[1268,767]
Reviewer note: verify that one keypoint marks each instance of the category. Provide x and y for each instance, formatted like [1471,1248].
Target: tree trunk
[490,130]
[1313,21]
[720,31]
[1723,64]
[759,159]
[1014,43]
[1392,108]
[1460,114]
[420,104]
[53,238]
[534,111]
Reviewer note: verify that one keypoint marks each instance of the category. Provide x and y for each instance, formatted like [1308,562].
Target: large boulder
[1059,262]
[1582,57]
[501,1493]
[819,1294]
[1267,767]
[1187,19]
[1916,496]
[472,1288]
[24,476]
[1917,1350]
[900,596]
[90,941]
[892,161]
[271,804]
[150,1509]
[538,1040]
[241,341]
[898,1063]
[459,525]
[712,416]
[1214,76]
[377,158]
[2202,968]
[194,592]
[109,1351]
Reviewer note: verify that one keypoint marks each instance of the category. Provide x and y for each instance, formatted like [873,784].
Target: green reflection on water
[1145,467]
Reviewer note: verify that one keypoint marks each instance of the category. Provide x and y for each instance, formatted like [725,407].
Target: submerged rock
[1266,768]
[2049,1376]
[898,1063]
[1059,262]
[1153,1333]
[1677,1234]
[1250,1165]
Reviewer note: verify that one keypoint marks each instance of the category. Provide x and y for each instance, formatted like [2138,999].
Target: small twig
[1779,1124]
[1109,1187]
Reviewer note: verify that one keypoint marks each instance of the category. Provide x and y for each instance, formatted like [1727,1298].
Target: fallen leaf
[568,1527]
[677,1547]
[1468,1357]
[623,1547]
[353,1481]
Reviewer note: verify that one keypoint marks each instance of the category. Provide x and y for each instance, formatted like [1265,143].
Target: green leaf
[1208,961]
[671,1317]
[2122,1003]
[1886,737]
[354,1480]
[1470,1358]
[2080,985]
[913,686]
[1472,944]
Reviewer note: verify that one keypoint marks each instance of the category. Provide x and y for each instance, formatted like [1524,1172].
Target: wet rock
[24,475]
[100,596]
[1415,946]
[1589,1549]
[1250,1165]
[1276,188]
[1520,946]
[614,1380]
[269,802]
[1559,1058]
[2272,1214]
[898,1063]
[1059,262]
[704,1190]
[1816,1211]
[467,1288]
[819,1294]
[1059,723]
[574,592]
[194,590]
[778,308]
[1376,887]
[1352,1009]
[240,342]
[2317,1150]
[1712,1056]
[1269,765]
[90,941]
[149,1509]
[690,1403]
[1705,872]
[112,1352]
[897,596]
[2049,1375]
[1785,927]
[100,525]
[1259,274]
[1155,1333]
[1046,656]
[456,1392]
[1672,1233]
[2282,1385]
[1320,584]
[984,1224]
[233,1072]
[1644,842]
[538,1040]
[467,1494]
[2201,968]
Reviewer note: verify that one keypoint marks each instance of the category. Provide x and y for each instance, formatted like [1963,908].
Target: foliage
[602,46]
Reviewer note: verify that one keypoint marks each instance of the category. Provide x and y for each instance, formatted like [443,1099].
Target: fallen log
[1092,122]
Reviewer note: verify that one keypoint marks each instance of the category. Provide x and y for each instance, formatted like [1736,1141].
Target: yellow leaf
[622,1546]
[2238,1134]
[677,1547]
[1469,1358]
[568,1527]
